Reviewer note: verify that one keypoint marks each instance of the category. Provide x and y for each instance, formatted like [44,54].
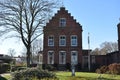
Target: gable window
[50,57]
[51,41]
[62,57]
[62,22]
[62,40]
[74,40]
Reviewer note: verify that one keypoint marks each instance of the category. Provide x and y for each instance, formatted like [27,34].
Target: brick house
[62,40]
[63,45]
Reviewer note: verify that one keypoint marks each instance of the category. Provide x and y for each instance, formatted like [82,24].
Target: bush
[31,73]
[114,68]
[94,66]
[16,68]
[68,66]
[4,67]
[50,67]
[103,69]
[111,69]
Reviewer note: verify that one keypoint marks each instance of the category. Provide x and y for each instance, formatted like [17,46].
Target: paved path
[5,74]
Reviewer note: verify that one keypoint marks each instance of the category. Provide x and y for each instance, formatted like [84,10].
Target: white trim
[75,57]
[52,57]
[76,40]
[50,39]
[64,62]
[62,24]
[61,39]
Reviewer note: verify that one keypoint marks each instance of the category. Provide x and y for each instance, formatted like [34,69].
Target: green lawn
[86,76]
[81,76]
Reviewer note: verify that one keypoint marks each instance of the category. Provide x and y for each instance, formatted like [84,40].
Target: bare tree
[106,47]
[109,46]
[11,52]
[36,47]
[96,51]
[25,19]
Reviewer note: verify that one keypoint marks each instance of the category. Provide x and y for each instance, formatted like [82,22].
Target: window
[73,40]
[74,57]
[62,22]
[50,57]
[62,57]
[62,40]
[50,41]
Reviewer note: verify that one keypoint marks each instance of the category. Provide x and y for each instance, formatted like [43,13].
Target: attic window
[62,22]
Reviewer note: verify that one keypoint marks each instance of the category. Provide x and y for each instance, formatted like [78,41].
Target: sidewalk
[5,76]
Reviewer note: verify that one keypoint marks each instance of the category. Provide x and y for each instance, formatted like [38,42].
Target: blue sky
[98,17]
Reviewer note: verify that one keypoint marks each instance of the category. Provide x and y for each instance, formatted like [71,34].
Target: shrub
[16,68]
[98,71]
[114,68]
[78,67]
[31,73]
[4,67]
[94,66]
[50,67]
[111,69]
[103,69]
[68,66]
[55,66]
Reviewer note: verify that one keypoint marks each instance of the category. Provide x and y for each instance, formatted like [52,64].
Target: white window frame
[64,59]
[60,40]
[62,22]
[50,40]
[49,57]
[75,58]
[75,40]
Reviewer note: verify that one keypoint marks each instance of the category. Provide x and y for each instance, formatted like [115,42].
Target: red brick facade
[71,28]
[63,24]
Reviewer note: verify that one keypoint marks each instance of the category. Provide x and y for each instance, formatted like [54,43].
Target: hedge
[31,73]
[4,67]
[111,69]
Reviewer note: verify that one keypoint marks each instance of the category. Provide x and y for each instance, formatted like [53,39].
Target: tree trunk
[28,54]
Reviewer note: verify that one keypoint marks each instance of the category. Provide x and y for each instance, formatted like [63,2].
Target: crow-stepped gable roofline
[63,11]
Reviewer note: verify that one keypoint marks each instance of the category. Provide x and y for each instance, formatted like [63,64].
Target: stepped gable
[62,13]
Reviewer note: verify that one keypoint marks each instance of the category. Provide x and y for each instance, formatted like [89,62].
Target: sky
[97,17]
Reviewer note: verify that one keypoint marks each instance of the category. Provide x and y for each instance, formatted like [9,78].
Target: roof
[63,13]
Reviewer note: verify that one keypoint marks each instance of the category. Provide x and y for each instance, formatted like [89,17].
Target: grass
[80,76]
[86,76]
